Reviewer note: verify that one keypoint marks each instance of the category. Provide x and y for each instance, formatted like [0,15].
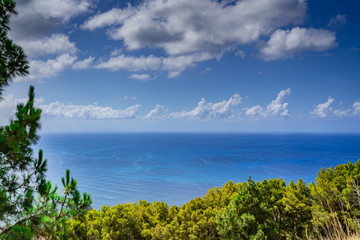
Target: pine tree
[12,58]
[29,205]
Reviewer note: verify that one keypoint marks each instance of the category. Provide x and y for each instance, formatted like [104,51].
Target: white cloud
[196,31]
[183,27]
[39,18]
[323,110]
[61,110]
[227,109]
[62,9]
[189,32]
[276,109]
[255,111]
[56,43]
[339,20]
[286,43]
[84,64]
[33,29]
[49,68]
[341,113]
[114,16]
[174,65]
[131,63]
[204,110]
[155,113]
[7,109]
[356,108]
[140,77]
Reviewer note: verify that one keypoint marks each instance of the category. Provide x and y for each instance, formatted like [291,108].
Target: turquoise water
[173,167]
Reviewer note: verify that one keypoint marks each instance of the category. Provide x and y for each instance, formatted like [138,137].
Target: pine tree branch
[62,206]
[7,230]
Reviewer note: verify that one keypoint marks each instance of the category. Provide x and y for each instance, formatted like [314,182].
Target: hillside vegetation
[271,209]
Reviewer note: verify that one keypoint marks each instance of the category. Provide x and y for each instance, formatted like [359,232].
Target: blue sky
[181,65]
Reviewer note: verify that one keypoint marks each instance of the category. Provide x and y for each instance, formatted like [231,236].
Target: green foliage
[269,209]
[12,58]
[197,219]
[256,212]
[297,207]
[240,220]
[143,220]
[29,205]
[336,198]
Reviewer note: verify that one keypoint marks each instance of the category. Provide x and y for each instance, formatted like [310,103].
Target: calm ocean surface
[174,167]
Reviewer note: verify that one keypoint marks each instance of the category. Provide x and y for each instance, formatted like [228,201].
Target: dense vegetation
[29,205]
[251,210]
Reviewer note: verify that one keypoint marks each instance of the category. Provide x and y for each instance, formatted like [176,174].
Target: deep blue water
[173,167]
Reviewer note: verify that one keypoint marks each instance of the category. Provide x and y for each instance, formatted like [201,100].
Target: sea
[117,168]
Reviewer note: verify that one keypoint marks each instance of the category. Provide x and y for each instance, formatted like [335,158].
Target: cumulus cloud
[56,43]
[62,9]
[140,77]
[131,63]
[324,110]
[155,113]
[84,64]
[277,108]
[204,110]
[188,32]
[42,17]
[226,109]
[356,108]
[195,31]
[181,26]
[112,17]
[174,65]
[255,111]
[61,110]
[286,43]
[49,68]
[342,113]
[33,29]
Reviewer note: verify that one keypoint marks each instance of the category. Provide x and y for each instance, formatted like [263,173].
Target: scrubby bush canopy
[270,209]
